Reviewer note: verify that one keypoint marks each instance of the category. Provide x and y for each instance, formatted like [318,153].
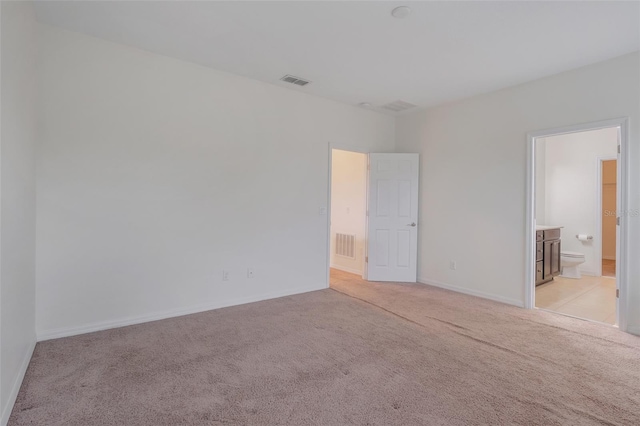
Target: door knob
[412,224]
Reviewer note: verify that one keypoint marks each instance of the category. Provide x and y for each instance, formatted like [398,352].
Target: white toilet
[569,262]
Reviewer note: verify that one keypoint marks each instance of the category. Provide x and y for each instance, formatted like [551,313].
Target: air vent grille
[346,245]
[295,80]
[398,106]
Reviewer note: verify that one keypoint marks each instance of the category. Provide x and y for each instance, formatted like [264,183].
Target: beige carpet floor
[357,354]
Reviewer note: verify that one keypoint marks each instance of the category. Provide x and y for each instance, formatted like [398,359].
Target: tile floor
[592,298]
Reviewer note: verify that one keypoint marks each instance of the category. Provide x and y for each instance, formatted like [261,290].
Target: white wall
[473,174]
[17,197]
[348,206]
[540,185]
[571,181]
[156,174]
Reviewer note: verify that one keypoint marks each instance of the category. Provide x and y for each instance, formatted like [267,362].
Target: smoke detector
[295,80]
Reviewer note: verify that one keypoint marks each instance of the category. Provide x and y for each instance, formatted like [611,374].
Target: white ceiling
[356,52]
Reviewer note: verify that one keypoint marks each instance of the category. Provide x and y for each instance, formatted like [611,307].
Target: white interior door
[392,248]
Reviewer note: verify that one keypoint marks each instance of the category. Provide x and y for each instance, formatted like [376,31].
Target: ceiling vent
[295,80]
[398,106]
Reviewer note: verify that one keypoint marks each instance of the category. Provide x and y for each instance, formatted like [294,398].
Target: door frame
[359,150]
[599,196]
[622,124]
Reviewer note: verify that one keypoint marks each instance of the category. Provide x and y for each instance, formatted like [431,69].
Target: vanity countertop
[546,227]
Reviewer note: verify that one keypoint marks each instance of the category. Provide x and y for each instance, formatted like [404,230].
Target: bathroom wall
[571,188]
[609,183]
[540,181]
[348,206]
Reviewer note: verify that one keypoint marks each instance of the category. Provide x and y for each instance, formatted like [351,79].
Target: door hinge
[618,221]
[366,259]
[618,293]
[618,149]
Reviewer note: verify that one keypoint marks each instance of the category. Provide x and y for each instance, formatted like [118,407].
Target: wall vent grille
[346,245]
[295,80]
[398,106]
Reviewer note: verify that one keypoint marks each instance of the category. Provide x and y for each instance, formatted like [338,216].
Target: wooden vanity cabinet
[539,257]
[548,246]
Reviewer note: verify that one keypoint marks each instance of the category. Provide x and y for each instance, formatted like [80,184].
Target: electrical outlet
[249,272]
[225,275]
[452,265]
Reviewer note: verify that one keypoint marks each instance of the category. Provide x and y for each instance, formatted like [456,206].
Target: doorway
[347,216]
[373,216]
[574,191]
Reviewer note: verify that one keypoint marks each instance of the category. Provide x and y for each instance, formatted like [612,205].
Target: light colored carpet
[381,354]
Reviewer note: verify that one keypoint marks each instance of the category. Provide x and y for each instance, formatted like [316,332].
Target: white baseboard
[346,269]
[589,272]
[471,292]
[15,387]
[106,325]
[633,330]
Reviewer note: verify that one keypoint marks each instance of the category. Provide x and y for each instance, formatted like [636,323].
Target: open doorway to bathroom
[576,237]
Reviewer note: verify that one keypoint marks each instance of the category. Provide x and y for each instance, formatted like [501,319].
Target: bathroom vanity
[547,253]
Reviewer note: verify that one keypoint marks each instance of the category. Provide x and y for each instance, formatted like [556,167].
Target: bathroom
[575,214]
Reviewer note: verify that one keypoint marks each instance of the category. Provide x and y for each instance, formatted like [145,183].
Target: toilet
[569,262]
